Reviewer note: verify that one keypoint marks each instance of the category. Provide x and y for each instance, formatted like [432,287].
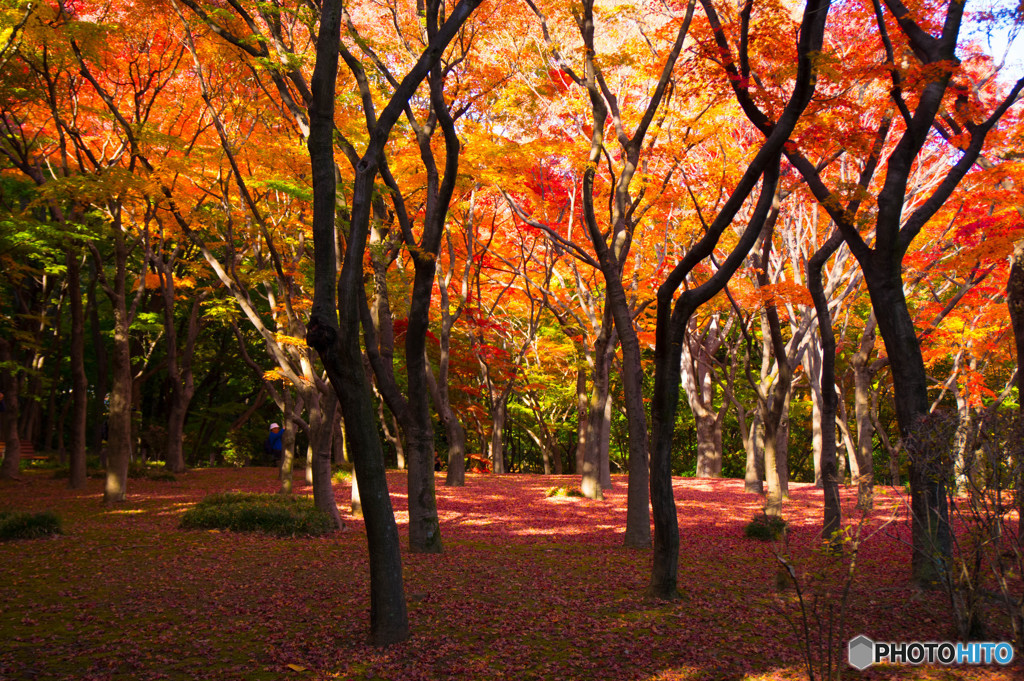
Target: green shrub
[276,514]
[21,525]
[341,475]
[765,527]
[566,491]
[244,447]
[150,471]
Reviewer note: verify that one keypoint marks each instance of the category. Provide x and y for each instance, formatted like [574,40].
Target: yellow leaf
[296,668]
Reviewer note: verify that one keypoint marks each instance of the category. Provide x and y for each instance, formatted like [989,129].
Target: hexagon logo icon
[861,652]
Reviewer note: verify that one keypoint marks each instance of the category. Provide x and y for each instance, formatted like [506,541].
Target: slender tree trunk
[79,382]
[100,420]
[1015,302]
[497,444]
[754,469]
[863,374]
[9,417]
[356,503]
[454,431]
[590,483]
[638,518]
[582,411]
[286,470]
[829,396]
[605,443]
[322,426]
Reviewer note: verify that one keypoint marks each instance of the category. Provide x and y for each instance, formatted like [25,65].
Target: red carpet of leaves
[528,588]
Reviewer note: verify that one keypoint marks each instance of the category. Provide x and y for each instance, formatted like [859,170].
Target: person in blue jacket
[272,446]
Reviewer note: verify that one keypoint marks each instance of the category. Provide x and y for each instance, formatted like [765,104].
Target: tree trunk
[582,418]
[638,518]
[754,471]
[321,426]
[604,445]
[80,385]
[709,444]
[100,419]
[496,447]
[454,431]
[357,504]
[930,515]
[9,416]
[1015,302]
[119,440]
[863,375]
[597,414]
[424,525]
[286,469]
[833,517]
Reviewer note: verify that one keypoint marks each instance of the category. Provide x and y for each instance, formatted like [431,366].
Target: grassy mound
[275,514]
[21,525]
[566,491]
[765,527]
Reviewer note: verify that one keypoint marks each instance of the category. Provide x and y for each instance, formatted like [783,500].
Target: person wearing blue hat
[272,446]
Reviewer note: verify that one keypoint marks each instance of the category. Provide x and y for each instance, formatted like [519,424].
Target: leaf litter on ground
[528,587]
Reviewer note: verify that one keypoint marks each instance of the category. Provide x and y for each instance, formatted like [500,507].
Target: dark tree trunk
[424,527]
[928,504]
[333,330]
[829,397]
[100,418]
[9,416]
[119,440]
[1015,301]
[79,390]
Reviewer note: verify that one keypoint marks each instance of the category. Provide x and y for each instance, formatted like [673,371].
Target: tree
[334,330]
[674,313]
[934,77]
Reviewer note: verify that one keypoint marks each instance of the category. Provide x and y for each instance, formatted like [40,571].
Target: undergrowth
[21,525]
[275,514]
[565,491]
[765,527]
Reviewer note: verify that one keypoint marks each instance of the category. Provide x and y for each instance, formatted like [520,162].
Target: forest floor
[528,587]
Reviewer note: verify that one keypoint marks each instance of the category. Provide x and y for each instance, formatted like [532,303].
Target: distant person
[272,446]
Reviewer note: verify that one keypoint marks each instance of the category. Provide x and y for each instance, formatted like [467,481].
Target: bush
[21,525]
[150,471]
[567,491]
[275,514]
[341,475]
[765,527]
